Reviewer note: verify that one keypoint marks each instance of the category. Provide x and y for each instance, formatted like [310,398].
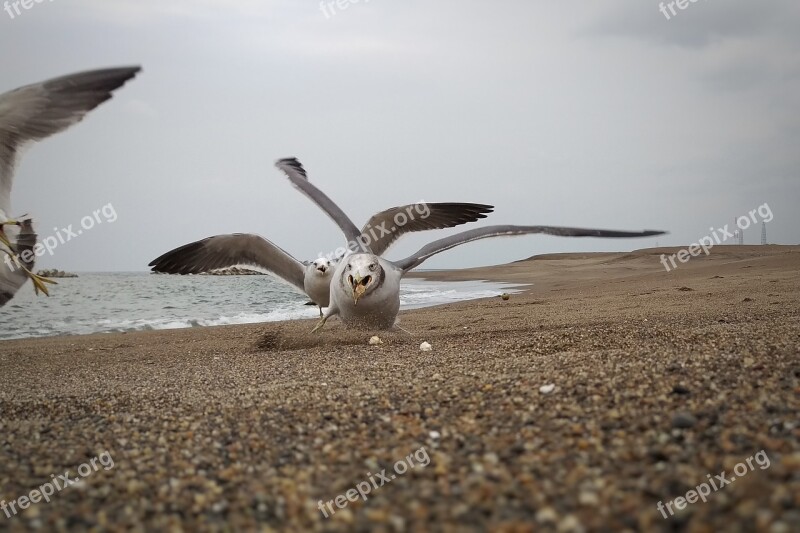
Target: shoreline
[538,274]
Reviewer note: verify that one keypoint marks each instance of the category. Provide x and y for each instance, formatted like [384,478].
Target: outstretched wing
[297,175]
[224,251]
[452,241]
[36,111]
[387,226]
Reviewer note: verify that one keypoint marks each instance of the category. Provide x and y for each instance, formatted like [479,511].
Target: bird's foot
[319,324]
[39,282]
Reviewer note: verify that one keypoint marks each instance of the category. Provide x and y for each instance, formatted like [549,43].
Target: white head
[322,266]
[361,274]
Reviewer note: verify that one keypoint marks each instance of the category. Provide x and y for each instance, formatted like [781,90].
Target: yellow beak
[358,289]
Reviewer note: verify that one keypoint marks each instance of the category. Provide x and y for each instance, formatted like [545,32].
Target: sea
[136,301]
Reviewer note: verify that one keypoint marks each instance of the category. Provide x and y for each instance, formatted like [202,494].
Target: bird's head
[323,266]
[362,275]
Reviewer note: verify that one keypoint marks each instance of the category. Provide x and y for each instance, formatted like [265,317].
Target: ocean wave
[141,302]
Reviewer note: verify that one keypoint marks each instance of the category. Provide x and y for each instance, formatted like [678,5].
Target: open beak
[359,287]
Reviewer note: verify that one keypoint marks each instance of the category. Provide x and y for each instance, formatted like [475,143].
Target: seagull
[313,277]
[365,288]
[30,114]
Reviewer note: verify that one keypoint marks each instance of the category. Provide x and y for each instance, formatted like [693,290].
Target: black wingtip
[293,163]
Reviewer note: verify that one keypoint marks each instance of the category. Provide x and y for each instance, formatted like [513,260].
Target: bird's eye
[373,267]
[349,267]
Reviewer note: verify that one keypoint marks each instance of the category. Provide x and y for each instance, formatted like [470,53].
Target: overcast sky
[597,114]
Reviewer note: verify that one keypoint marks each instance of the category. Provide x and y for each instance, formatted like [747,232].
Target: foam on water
[97,303]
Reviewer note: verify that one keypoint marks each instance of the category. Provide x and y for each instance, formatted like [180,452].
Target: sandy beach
[606,387]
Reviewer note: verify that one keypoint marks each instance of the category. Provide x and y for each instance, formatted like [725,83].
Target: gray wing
[297,175]
[387,226]
[224,251]
[36,111]
[441,245]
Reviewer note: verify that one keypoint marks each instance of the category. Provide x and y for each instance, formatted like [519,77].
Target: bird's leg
[319,324]
[404,330]
[320,312]
[3,238]
[38,281]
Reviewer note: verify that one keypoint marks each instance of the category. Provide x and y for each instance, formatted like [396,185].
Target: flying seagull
[365,289]
[313,278]
[30,114]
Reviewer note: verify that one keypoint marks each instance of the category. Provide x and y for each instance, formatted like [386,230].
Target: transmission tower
[763,232]
[738,234]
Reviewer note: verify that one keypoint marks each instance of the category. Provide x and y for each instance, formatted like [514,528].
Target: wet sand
[658,380]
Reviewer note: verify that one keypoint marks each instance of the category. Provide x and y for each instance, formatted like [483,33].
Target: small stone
[397,522]
[434,435]
[588,498]
[505,296]
[779,527]
[375,340]
[425,347]
[683,420]
[547,389]
[570,524]
[344,515]
[680,389]
[546,515]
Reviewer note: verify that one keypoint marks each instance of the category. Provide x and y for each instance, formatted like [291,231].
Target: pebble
[547,389]
[680,389]
[546,515]
[588,498]
[425,347]
[683,420]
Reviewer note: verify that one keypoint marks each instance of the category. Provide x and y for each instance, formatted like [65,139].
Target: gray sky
[564,113]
